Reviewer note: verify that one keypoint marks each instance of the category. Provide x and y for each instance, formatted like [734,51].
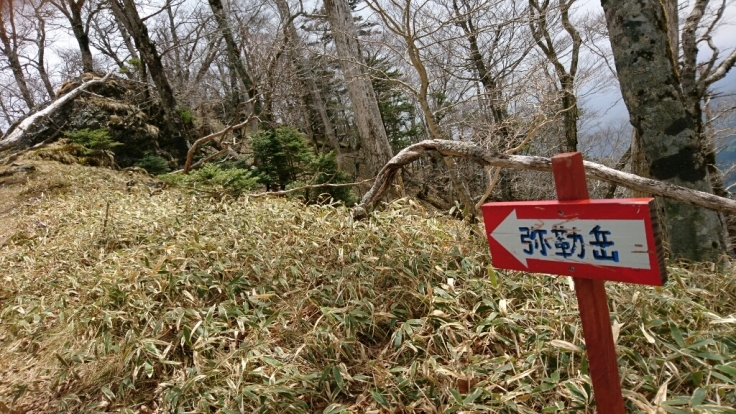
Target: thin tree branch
[204,160]
[721,70]
[619,166]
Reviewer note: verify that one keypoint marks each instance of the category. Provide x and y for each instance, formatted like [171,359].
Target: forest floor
[118,298]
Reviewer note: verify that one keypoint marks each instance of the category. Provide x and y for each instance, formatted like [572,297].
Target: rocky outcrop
[124,108]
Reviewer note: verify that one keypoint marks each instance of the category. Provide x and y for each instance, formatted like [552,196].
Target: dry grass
[174,302]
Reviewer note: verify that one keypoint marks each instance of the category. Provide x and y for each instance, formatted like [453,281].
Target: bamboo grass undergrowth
[184,303]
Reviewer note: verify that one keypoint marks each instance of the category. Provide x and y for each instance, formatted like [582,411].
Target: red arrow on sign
[599,239]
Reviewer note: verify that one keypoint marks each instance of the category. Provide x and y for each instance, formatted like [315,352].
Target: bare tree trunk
[178,69]
[638,161]
[566,77]
[374,145]
[485,75]
[313,98]
[458,185]
[492,89]
[10,50]
[620,165]
[127,14]
[126,40]
[233,55]
[668,128]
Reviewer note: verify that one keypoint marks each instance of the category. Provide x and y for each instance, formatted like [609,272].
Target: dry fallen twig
[307,187]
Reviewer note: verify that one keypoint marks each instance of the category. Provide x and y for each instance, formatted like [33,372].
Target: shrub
[231,181]
[154,164]
[186,115]
[325,168]
[283,157]
[92,140]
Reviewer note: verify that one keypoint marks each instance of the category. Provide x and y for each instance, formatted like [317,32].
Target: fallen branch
[210,137]
[14,137]
[485,157]
[307,187]
[204,160]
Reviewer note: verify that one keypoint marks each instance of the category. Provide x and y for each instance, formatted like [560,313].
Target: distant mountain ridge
[726,146]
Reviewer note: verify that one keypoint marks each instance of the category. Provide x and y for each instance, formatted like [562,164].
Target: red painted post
[570,184]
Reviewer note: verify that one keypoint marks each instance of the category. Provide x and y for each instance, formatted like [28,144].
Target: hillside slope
[119,297]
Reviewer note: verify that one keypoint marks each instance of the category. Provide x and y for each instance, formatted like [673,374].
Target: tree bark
[374,145]
[10,50]
[127,15]
[673,26]
[126,40]
[668,127]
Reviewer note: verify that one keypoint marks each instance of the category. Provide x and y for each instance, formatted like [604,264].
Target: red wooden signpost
[591,240]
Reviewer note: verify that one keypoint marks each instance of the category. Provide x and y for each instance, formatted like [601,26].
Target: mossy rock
[62,152]
[120,106]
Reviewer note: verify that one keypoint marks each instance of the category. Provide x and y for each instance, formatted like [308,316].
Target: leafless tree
[126,13]
[312,96]
[541,14]
[11,39]
[73,11]
[233,55]
[41,14]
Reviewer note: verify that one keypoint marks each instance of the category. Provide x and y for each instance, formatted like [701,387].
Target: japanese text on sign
[600,242]
[568,242]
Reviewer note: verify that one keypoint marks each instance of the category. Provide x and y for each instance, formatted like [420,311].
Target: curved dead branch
[484,157]
[190,154]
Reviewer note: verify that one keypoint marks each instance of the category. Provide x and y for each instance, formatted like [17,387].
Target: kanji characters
[534,239]
[602,242]
[567,241]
